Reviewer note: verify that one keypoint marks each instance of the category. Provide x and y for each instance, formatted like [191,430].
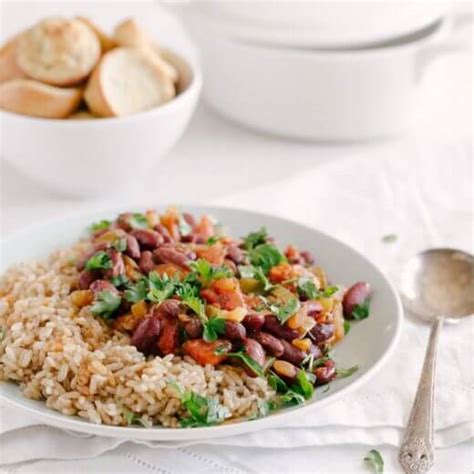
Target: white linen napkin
[357,200]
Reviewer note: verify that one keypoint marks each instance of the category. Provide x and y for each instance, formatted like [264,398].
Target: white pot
[315,94]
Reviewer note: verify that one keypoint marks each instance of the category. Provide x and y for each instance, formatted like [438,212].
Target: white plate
[368,345]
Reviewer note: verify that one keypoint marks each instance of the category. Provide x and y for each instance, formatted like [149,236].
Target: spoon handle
[417,450]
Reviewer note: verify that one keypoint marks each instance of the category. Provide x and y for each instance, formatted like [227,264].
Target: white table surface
[216,156]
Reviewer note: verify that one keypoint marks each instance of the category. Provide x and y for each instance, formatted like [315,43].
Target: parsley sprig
[255,238]
[284,310]
[99,261]
[306,287]
[202,411]
[241,354]
[207,272]
[375,460]
[361,311]
[106,303]
[100,225]
[266,256]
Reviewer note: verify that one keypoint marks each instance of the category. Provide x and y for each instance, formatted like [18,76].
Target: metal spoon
[436,285]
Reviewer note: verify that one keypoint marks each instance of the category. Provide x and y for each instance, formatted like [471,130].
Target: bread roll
[9,68]
[58,51]
[30,97]
[128,33]
[106,42]
[126,82]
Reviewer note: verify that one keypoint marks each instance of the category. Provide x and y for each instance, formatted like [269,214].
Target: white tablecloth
[418,187]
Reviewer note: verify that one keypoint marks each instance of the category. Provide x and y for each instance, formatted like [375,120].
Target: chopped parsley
[106,303]
[137,292]
[138,221]
[343,373]
[100,225]
[206,272]
[120,280]
[252,364]
[120,245]
[99,261]
[160,288]
[375,460]
[304,384]
[266,256]
[255,238]
[202,411]
[389,238]
[131,417]
[212,240]
[347,327]
[285,311]
[213,328]
[307,287]
[361,311]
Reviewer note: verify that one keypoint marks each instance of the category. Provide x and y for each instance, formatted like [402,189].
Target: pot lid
[321,24]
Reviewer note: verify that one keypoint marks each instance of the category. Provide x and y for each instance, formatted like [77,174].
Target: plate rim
[276,420]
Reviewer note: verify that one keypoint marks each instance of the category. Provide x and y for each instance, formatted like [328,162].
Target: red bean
[281,331]
[189,218]
[146,262]
[325,373]
[172,255]
[86,277]
[256,352]
[146,334]
[235,254]
[169,309]
[123,221]
[118,267]
[357,294]
[322,332]
[270,343]
[133,247]
[307,257]
[235,331]
[254,321]
[103,285]
[147,238]
[168,342]
[193,328]
[161,229]
[292,354]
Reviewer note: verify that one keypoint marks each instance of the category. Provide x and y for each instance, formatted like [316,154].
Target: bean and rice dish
[167,320]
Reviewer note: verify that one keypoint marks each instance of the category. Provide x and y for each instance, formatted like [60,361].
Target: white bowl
[92,157]
[368,345]
[316,94]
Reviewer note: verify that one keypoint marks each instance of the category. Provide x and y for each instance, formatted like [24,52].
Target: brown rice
[81,367]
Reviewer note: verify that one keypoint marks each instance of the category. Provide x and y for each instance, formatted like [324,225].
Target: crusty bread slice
[30,97]
[82,115]
[9,68]
[129,33]
[126,82]
[106,42]
[58,51]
